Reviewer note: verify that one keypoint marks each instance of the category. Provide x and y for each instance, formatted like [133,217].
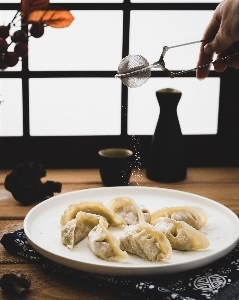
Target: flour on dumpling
[78,228]
[192,215]
[104,245]
[181,235]
[146,241]
[129,210]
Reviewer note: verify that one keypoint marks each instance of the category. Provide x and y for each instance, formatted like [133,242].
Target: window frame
[82,151]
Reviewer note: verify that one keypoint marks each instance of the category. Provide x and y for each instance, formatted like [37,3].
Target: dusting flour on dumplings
[150,236]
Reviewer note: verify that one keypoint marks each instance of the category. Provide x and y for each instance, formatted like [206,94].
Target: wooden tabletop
[219,184]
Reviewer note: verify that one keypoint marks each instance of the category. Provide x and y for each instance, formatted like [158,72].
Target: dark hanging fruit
[19,36]
[37,30]
[4,31]
[3,45]
[21,49]
[11,59]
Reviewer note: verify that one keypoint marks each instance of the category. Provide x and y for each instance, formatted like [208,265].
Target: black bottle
[166,161]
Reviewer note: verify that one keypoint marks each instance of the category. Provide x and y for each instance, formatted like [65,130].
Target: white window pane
[151,30]
[177,1]
[92,42]
[89,1]
[10,1]
[75,106]
[197,109]
[11,123]
[6,17]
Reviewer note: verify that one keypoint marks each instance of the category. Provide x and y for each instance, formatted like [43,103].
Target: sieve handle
[173,74]
[162,66]
[204,66]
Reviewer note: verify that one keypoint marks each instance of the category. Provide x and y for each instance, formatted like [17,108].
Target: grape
[4,31]
[21,49]
[37,30]
[3,45]
[3,66]
[19,36]
[11,59]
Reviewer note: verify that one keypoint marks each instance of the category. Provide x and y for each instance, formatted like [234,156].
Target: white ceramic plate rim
[42,229]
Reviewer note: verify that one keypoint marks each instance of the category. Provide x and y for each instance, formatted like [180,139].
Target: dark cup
[115,166]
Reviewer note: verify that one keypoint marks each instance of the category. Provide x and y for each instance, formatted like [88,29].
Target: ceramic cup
[115,166]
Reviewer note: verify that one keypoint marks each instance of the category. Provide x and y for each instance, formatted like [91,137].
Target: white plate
[43,231]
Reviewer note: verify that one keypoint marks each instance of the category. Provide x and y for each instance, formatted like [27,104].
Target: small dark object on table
[15,282]
[24,182]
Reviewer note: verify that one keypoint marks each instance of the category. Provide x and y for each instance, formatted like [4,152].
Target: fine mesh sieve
[135,70]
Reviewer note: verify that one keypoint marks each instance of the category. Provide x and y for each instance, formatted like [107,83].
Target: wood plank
[6,227]
[219,184]
[45,286]
[92,176]
[80,176]
[55,286]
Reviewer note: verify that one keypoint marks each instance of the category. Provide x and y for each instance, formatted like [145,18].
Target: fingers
[223,30]
[236,63]
[202,73]
[218,45]
[234,60]
[206,57]
[221,65]
[203,59]
[207,50]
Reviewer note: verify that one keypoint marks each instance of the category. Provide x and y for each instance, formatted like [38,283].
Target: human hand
[223,30]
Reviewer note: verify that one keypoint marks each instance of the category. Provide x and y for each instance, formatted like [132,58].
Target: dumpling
[129,211]
[146,213]
[192,215]
[104,245]
[181,235]
[93,207]
[77,229]
[146,241]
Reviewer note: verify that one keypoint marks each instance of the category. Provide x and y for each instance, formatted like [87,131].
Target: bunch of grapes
[19,40]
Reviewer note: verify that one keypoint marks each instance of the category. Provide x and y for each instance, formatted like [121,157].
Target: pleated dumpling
[104,245]
[181,235]
[129,211]
[146,241]
[93,207]
[78,228]
[192,215]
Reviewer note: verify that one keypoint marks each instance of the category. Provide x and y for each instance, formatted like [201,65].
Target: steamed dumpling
[146,213]
[146,241]
[104,245]
[93,207]
[181,235]
[129,211]
[77,229]
[192,215]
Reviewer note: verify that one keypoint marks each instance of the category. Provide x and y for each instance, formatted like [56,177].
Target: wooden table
[219,184]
